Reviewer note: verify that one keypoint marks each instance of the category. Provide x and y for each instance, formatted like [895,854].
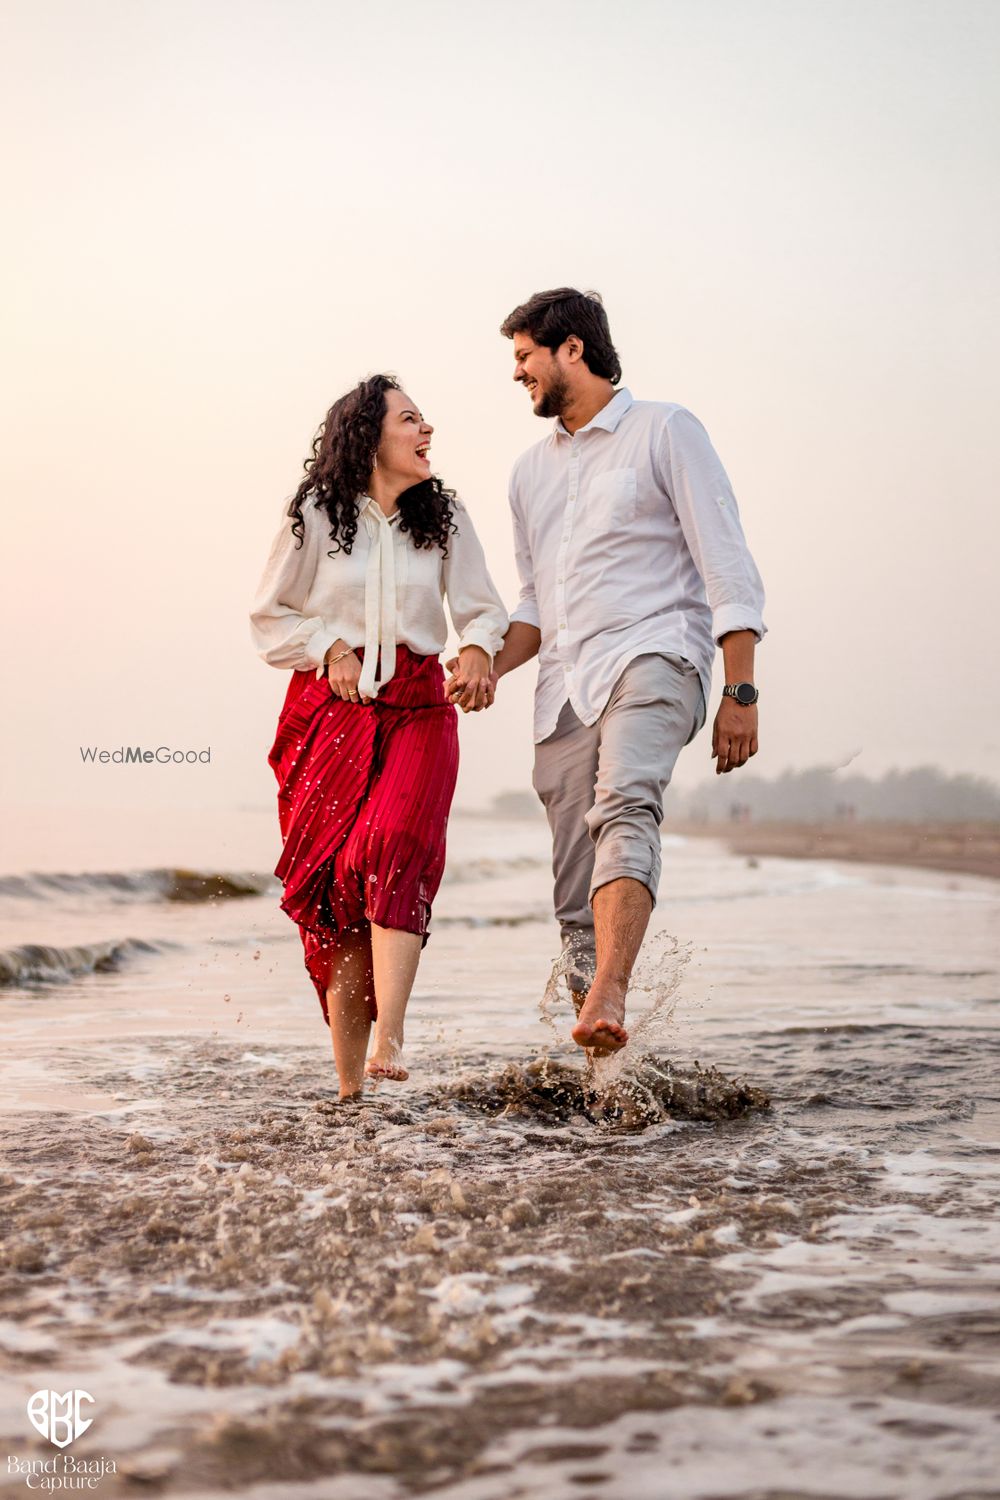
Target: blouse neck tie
[380,601]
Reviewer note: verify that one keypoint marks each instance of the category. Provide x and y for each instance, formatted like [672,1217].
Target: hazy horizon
[222,215]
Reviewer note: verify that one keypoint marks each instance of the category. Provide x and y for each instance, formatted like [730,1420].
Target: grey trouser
[602,789]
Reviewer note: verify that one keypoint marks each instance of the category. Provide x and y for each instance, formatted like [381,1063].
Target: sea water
[756,1254]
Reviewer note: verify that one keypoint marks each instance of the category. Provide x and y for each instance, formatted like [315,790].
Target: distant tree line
[818,795]
[822,794]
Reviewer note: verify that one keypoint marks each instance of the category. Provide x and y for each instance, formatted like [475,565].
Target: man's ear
[574,348]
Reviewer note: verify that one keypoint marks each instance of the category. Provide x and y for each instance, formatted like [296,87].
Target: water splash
[571,976]
[548,1091]
[657,975]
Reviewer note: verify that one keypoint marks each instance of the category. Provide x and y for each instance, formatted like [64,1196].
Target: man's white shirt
[628,541]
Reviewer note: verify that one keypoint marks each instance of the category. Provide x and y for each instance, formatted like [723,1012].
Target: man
[633,567]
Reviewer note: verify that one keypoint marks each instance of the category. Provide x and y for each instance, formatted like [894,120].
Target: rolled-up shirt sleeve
[706,509]
[526,609]
[476,607]
[283,634]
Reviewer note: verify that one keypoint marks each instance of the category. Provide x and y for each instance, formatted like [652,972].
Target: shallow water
[756,1256]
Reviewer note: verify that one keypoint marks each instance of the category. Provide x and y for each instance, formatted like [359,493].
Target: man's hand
[472,685]
[734,735]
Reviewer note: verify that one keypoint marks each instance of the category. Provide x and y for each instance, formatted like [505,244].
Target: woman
[366,751]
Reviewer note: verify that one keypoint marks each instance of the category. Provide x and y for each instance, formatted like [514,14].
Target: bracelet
[339,657]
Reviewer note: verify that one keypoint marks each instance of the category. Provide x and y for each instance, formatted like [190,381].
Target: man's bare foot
[600,1021]
[385,1062]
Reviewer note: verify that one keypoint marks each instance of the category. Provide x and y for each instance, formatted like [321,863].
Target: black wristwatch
[743,692]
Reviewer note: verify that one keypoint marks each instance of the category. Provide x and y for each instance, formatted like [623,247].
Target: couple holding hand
[633,568]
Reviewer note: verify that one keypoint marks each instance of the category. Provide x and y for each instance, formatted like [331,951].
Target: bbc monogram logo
[59,1418]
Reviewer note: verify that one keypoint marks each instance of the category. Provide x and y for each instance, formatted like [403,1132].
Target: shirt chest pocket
[610,500]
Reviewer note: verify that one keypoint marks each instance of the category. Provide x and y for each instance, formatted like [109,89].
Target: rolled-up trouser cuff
[604,875]
[602,784]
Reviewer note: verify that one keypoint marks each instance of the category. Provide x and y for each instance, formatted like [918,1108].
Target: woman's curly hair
[343,456]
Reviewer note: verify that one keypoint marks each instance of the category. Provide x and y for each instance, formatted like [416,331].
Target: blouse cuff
[484,639]
[316,647]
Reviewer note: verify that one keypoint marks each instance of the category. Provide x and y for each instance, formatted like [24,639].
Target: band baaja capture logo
[61,1420]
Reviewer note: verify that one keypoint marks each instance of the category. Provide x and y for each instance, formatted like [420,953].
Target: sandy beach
[970,848]
[754,1256]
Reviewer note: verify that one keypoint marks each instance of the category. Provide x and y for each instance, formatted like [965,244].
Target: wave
[515,919]
[175,883]
[465,872]
[38,963]
[171,883]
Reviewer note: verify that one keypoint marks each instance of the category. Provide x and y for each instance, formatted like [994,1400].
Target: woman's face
[405,442]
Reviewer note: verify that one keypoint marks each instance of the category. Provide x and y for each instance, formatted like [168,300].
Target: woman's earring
[374,463]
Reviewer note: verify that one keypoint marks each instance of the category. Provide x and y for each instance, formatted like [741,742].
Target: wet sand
[969,848]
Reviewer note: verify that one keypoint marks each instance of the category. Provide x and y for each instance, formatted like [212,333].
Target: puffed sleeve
[283,635]
[476,607]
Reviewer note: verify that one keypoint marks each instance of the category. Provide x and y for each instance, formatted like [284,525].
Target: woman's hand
[343,675]
[473,685]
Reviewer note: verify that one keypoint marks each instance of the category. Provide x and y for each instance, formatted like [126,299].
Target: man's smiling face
[539,371]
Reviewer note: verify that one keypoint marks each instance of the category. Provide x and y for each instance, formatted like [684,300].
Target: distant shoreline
[964,848]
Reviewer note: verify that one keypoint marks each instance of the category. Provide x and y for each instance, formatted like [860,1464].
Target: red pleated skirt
[364,792]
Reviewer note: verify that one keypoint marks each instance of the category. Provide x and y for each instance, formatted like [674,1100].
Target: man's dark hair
[550,318]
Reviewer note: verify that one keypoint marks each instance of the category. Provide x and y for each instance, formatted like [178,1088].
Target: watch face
[746,693]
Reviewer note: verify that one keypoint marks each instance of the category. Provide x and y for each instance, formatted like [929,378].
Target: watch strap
[732,690]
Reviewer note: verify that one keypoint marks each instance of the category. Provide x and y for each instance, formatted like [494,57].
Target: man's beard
[555,400]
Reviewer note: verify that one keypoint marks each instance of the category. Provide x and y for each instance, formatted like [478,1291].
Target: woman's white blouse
[384,591]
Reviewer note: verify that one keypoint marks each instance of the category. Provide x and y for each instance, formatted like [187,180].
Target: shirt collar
[608,417]
[366,503]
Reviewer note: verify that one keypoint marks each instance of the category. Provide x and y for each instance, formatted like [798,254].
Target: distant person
[633,567]
[366,752]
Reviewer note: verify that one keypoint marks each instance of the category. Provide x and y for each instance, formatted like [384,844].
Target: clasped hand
[472,684]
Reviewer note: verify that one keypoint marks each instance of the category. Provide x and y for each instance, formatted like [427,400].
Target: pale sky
[220,215]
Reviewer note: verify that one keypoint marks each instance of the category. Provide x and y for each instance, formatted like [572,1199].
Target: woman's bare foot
[350,1096]
[600,1021]
[386,1061]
